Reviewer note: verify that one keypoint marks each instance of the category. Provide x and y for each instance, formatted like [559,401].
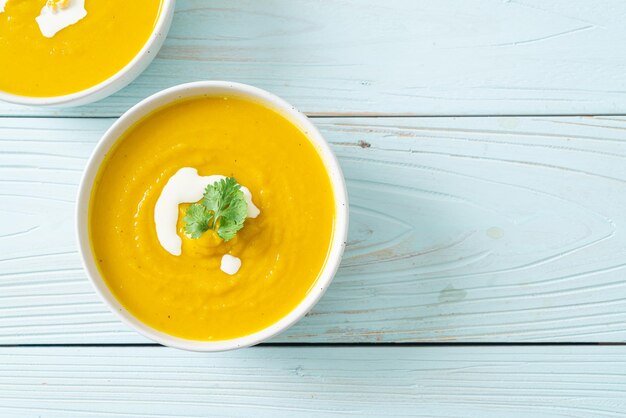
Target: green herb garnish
[222,209]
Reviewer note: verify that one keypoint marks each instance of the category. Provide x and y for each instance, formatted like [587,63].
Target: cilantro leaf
[196,220]
[233,218]
[223,209]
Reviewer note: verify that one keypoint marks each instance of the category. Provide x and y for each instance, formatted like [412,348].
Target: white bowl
[213,88]
[118,80]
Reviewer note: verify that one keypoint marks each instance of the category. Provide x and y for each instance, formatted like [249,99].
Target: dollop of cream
[230,265]
[186,186]
[2,4]
[59,14]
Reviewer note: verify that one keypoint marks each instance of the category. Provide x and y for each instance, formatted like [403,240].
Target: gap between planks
[316,344]
[338,115]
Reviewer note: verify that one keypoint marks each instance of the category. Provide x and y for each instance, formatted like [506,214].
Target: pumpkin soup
[224,276]
[58,47]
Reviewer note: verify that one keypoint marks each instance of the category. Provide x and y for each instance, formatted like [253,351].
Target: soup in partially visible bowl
[70,52]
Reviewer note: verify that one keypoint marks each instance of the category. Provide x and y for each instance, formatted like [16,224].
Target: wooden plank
[317,381]
[446,57]
[462,229]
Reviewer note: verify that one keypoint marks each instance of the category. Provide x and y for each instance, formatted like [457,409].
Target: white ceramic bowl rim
[118,80]
[213,88]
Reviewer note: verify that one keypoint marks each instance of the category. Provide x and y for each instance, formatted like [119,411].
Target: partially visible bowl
[219,89]
[117,81]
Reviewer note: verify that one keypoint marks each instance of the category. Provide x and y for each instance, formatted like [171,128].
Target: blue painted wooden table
[484,146]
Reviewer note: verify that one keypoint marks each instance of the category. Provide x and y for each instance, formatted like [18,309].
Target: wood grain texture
[462,229]
[487,382]
[413,57]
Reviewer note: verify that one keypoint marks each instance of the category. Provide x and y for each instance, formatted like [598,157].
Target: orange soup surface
[282,251]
